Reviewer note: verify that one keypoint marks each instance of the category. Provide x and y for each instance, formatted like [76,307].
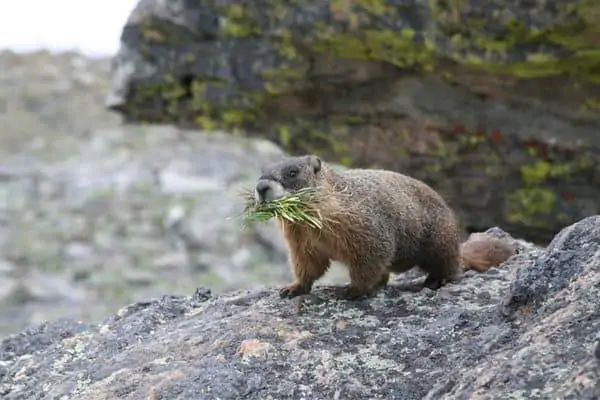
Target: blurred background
[95,214]
[101,208]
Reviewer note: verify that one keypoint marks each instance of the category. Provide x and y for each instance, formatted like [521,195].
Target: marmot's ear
[315,163]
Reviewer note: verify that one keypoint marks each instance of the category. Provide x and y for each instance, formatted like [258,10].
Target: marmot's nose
[262,187]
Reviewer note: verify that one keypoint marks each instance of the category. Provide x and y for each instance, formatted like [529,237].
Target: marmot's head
[285,177]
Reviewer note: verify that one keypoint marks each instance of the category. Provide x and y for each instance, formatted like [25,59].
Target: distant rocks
[95,214]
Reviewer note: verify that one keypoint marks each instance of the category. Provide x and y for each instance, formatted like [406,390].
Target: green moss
[543,170]
[374,7]
[284,45]
[238,23]
[281,80]
[475,48]
[206,123]
[397,48]
[337,143]
[327,141]
[345,161]
[583,64]
[233,118]
[439,148]
[284,134]
[536,204]
[534,207]
[468,140]
[346,120]
[591,104]
[151,34]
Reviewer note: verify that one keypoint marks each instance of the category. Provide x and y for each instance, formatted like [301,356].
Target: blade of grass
[294,208]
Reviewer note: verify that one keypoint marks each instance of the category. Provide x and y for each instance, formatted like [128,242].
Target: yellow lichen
[534,207]
[543,170]
[285,135]
[237,23]
[396,48]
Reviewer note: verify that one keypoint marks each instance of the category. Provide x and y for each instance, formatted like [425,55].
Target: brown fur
[481,252]
[376,222]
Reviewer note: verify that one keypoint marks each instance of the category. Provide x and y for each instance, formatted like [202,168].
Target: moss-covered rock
[495,104]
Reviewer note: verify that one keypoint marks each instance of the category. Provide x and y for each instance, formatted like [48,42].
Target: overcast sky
[92,27]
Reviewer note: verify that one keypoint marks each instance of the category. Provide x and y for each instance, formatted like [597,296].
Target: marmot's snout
[267,189]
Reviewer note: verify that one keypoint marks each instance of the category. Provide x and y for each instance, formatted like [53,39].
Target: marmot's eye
[292,173]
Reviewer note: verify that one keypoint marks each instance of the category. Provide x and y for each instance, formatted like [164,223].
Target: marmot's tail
[481,252]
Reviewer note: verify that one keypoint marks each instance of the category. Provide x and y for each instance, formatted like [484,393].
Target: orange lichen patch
[340,325]
[293,337]
[585,381]
[526,309]
[22,373]
[253,348]
[152,394]
[69,341]
[296,335]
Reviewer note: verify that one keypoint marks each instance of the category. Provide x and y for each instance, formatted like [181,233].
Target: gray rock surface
[526,330]
[95,214]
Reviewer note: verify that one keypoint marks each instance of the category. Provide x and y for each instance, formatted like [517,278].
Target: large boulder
[495,103]
[528,329]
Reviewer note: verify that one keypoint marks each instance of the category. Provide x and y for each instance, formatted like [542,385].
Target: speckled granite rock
[524,330]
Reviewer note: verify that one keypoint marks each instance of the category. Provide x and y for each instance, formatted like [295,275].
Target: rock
[448,344]
[465,96]
[574,252]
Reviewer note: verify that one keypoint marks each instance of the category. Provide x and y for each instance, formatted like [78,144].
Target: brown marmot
[378,222]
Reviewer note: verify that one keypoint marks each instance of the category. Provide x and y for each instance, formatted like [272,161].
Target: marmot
[379,222]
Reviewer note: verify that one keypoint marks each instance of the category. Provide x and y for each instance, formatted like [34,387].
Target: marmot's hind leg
[440,256]
[365,280]
[441,267]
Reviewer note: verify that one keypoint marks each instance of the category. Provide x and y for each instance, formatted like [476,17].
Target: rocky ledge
[462,94]
[526,330]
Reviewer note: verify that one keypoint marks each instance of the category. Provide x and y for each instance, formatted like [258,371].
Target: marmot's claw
[293,290]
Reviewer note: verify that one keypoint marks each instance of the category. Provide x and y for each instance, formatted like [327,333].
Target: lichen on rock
[384,83]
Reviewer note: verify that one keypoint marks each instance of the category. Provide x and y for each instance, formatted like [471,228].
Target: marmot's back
[398,200]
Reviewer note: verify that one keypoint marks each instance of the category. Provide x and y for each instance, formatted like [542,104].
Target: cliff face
[528,329]
[493,103]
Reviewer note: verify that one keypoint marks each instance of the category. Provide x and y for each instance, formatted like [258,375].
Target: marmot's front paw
[293,290]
